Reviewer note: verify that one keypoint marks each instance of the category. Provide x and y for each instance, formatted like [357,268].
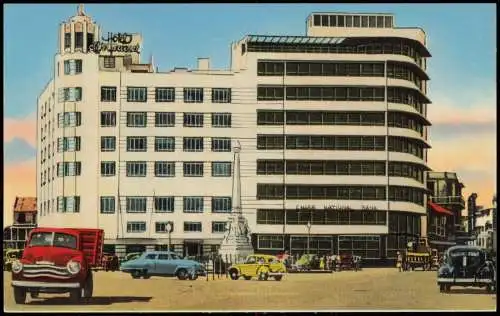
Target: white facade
[250,85]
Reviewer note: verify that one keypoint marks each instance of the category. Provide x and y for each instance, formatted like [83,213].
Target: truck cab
[58,260]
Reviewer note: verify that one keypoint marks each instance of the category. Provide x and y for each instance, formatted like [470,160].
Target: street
[364,290]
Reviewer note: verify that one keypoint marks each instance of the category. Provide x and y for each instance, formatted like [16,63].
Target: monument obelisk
[236,242]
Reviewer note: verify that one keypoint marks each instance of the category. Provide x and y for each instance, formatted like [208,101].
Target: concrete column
[120,251]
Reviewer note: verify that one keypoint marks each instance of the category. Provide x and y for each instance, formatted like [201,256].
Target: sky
[461,39]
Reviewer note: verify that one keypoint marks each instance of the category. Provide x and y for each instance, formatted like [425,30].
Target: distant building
[444,209]
[484,229]
[24,220]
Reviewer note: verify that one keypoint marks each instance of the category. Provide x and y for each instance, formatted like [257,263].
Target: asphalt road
[370,289]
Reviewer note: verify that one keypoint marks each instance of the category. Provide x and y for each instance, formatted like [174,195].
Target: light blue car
[162,263]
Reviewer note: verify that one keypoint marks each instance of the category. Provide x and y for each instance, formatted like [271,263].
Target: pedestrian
[399,261]
[322,263]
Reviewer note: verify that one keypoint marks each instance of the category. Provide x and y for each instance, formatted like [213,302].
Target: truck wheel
[442,288]
[490,288]
[19,295]
[76,295]
[136,274]
[182,274]
[88,288]
[233,273]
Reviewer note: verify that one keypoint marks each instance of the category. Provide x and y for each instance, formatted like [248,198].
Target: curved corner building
[332,126]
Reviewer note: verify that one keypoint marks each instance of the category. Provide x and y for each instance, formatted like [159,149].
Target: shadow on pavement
[470,291]
[97,300]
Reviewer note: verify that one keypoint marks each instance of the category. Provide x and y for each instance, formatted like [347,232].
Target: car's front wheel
[136,274]
[182,274]
[19,295]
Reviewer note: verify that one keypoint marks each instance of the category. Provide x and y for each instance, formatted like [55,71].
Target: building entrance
[193,248]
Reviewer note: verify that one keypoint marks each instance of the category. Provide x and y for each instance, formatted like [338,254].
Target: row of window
[360,118]
[321,217]
[340,167]
[373,21]
[336,68]
[161,227]
[167,168]
[344,142]
[166,144]
[166,94]
[268,191]
[167,119]
[78,40]
[166,204]
[367,45]
[335,93]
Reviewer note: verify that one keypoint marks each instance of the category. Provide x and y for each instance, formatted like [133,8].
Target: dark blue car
[467,266]
[162,263]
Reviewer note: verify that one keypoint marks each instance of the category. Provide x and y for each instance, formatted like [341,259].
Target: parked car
[10,256]
[130,256]
[466,266]
[260,266]
[162,263]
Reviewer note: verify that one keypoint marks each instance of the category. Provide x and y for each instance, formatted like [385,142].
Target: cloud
[18,150]
[450,112]
[24,129]
[19,180]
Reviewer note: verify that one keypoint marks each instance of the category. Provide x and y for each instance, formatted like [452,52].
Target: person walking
[322,263]
[399,261]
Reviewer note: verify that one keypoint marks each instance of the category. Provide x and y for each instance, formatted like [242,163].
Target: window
[108,168]
[73,67]
[193,169]
[193,204]
[69,119]
[221,144]
[136,168]
[193,119]
[136,119]
[164,169]
[317,20]
[137,94]
[68,144]
[164,94]
[219,227]
[108,143]
[164,204]
[137,143]
[68,204]
[193,95]
[221,95]
[265,117]
[136,204]
[164,119]
[270,242]
[107,204]
[70,94]
[161,227]
[109,62]
[221,119]
[165,143]
[192,226]
[67,40]
[136,227]
[193,144]
[78,39]
[221,169]
[221,204]
[108,94]
[269,93]
[69,168]
[108,119]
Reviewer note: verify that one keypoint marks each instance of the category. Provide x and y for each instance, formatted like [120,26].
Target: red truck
[58,260]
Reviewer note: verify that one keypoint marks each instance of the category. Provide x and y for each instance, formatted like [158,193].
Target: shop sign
[115,42]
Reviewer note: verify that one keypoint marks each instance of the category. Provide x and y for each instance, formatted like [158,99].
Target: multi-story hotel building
[332,127]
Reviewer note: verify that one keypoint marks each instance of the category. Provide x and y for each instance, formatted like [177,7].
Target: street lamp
[169,230]
[308,234]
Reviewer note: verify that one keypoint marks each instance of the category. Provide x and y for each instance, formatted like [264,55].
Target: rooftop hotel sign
[115,42]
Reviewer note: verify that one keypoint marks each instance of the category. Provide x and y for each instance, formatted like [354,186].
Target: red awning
[439,209]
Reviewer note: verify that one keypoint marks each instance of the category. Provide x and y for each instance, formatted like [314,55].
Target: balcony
[448,200]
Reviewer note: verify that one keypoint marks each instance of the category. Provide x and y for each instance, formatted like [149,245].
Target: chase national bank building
[332,127]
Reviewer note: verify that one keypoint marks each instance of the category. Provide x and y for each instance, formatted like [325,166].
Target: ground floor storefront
[369,247]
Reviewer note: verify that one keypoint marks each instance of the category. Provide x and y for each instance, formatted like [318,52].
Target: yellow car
[260,266]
